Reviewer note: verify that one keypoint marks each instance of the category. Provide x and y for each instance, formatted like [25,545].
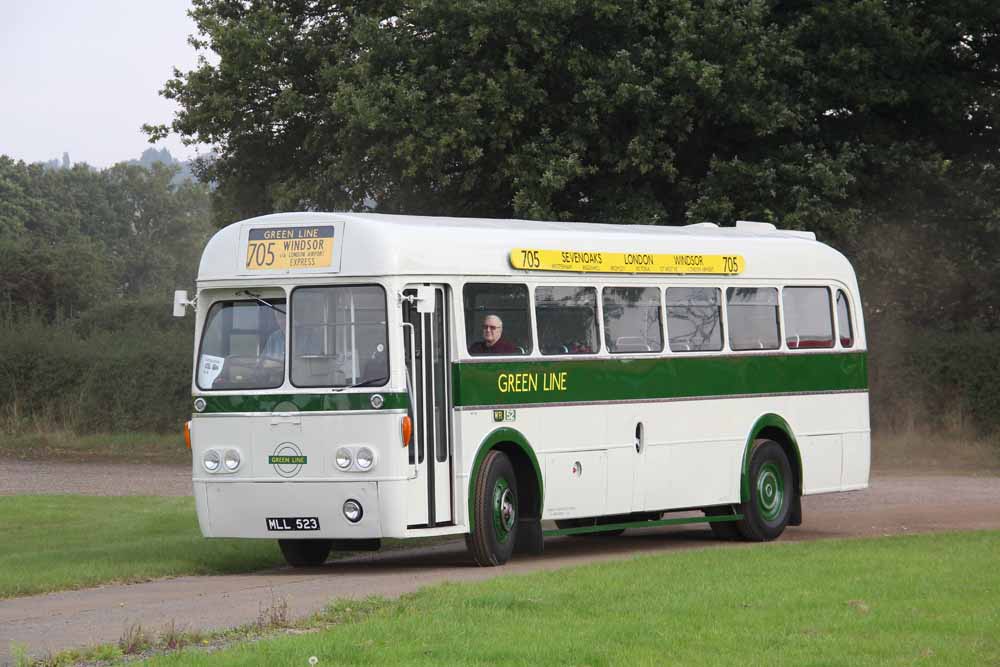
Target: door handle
[285,418]
[639,437]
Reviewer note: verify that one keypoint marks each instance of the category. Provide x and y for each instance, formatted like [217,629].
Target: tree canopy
[594,110]
[72,238]
[872,122]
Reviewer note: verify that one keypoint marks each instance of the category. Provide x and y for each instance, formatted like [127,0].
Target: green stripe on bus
[605,527]
[537,382]
[302,402]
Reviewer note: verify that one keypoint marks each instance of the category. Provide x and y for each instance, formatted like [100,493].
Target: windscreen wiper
[363,383]
[256,297]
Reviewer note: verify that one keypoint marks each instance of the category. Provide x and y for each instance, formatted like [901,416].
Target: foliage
[593,110]
[130,376]
[71,239]
[87,262]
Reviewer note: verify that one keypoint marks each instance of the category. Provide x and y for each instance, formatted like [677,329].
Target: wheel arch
[522,456]
[771,427]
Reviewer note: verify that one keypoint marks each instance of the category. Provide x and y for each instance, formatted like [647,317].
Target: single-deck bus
[361,376]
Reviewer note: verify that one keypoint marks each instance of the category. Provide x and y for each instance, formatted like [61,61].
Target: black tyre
[305,553]
[722,530]
[495,512]
[768,507]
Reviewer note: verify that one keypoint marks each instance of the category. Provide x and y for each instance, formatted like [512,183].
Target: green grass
[66,446]
[60,542]
[926,599]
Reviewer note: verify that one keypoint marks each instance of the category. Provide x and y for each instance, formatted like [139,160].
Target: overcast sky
[82,76]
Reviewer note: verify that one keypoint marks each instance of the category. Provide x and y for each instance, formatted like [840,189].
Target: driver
[274,348]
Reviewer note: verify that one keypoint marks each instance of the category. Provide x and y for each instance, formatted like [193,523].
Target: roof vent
[759,227]
[704,225]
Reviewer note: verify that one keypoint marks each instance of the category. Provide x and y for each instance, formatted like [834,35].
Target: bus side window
[753,318]
[844,324]
[694,319]
[632,319]
[567,320]
[497,319]
[808,317]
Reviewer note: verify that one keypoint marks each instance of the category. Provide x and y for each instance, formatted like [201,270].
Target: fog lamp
[353,511]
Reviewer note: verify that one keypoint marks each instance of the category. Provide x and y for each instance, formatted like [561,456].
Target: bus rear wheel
[305,553]
[768,507]
[495,512]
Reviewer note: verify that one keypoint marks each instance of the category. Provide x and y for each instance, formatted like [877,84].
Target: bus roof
[372,244]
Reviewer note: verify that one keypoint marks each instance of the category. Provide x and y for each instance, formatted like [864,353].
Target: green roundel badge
[287,459]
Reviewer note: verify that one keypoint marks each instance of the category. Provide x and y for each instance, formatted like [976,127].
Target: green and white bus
[361,376]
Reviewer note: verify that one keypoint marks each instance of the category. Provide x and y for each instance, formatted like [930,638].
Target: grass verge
[68,541]
[68,447]
[898,600]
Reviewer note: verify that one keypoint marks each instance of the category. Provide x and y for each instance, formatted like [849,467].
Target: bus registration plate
[287,523]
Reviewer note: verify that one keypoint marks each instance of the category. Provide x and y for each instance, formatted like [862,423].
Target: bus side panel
[830,430]
[857,461]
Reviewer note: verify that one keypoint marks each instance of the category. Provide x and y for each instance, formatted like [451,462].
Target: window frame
[723,321]
[204,330]
[463,344]
[784,324]
[660,290]
[599,347]
[779,317]
[849,302]
[290,336]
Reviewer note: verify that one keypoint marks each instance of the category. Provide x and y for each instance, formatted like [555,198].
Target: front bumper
[242,509]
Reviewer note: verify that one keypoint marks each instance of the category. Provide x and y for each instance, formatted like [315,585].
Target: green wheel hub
[504,510]
[770,491]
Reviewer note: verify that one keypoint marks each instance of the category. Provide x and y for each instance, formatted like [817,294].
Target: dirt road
[895,504]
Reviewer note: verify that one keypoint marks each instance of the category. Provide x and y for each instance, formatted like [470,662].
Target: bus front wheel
[495,512]
[305,553]
[768,507]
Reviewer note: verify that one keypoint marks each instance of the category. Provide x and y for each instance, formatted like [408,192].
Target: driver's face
[492,330]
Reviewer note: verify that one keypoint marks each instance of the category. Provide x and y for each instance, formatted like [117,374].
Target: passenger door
[426,323]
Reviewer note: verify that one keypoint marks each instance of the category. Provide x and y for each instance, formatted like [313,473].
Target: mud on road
[896,503]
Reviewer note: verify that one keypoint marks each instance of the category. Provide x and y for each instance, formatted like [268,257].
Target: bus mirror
[181,303]
[425,299]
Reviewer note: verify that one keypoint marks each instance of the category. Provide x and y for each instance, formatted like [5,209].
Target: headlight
[366,458]
[343,458]
[231,460]
[211,460]
[353,511]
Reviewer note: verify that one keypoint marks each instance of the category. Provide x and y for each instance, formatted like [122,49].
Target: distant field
[117,447]
[59,542]
[926,599]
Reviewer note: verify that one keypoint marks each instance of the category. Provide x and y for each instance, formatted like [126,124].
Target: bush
[937,380]
[133,378]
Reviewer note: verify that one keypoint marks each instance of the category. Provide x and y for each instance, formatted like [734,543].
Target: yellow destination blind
[624,262]
[290,247]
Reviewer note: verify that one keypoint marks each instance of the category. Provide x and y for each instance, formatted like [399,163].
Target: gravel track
[896,503]
[94,479]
